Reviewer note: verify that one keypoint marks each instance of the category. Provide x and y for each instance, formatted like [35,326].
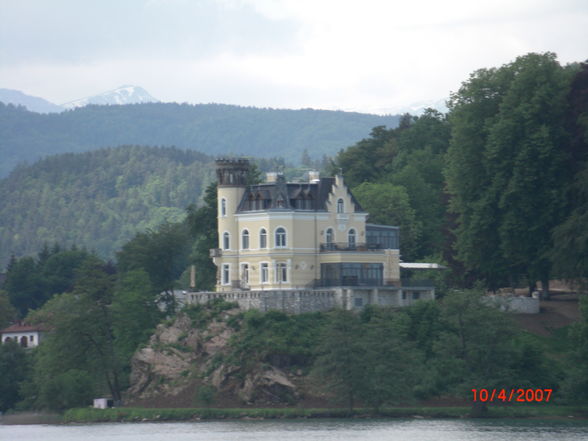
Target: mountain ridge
[30,102]
[216,129]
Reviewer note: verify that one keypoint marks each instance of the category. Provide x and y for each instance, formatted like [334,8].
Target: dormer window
[340,206]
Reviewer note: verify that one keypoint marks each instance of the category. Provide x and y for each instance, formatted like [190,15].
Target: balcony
[345,246]
[216,252]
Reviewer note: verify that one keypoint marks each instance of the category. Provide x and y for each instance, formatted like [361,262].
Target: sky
[378,56]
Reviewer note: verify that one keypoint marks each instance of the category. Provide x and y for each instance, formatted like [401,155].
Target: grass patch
[88,415]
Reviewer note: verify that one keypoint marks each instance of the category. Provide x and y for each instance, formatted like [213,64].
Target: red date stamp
[512,395]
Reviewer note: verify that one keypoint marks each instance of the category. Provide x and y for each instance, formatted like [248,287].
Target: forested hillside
[97,199]
[215,129]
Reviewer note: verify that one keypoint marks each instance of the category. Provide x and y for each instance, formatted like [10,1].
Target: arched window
[340,206]
[226,241]
[245,240]
[330,236]
[24,342]
[263,238]
[223,207]
[351,238]
[280,237]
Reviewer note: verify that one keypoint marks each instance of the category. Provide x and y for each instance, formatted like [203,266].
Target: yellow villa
[302,246]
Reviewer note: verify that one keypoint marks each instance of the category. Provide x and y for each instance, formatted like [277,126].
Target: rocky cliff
[190,361]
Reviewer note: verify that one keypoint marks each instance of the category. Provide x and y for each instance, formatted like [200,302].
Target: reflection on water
[308,430]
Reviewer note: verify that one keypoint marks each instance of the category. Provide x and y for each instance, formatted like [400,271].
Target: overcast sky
[365,55]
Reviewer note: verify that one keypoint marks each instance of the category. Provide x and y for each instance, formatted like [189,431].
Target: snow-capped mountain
[32,103]
[121,95]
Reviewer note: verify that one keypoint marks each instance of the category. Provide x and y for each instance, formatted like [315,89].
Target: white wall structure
[25,335]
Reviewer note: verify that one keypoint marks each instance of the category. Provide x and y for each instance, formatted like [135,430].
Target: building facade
[301,246]
[314,234]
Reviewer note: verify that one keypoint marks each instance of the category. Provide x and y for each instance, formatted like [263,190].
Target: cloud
[80,32]
[282,53]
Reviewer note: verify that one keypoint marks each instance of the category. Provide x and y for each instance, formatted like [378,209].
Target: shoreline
[127,415]
[88,415]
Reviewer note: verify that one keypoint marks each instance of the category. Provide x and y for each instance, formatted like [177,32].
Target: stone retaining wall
[312,300]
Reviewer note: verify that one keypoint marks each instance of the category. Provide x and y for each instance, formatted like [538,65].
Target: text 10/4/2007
[512,395]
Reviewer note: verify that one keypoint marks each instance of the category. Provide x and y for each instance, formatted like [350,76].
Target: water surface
[308,430]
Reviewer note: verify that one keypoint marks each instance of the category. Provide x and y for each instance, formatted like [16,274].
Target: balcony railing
[345,246]
[216,252]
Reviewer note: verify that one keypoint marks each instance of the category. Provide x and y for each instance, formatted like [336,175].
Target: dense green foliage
[278,338]
[30,282]
[98,199]
[397,176]
[497,188]
[508,136]
[213,128]
[99,314]
[14,367]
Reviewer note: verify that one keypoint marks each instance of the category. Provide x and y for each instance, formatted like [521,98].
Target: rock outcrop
[188,356]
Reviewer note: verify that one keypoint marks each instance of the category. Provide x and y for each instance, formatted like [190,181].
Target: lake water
[308,430]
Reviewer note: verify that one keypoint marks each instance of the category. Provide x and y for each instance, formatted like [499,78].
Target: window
[351,238]
[226,276]
[352,274]
[263,238]
[226,241]
[245,240]
[330,236]
[245,273]
[223,207]
[340,206]
[358,302]
[264,273]
[281,272]
[416,295]
[280,237]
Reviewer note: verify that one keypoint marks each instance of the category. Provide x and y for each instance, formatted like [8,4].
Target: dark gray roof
[279,195]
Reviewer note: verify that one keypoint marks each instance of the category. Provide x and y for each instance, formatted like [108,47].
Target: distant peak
[126,94]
